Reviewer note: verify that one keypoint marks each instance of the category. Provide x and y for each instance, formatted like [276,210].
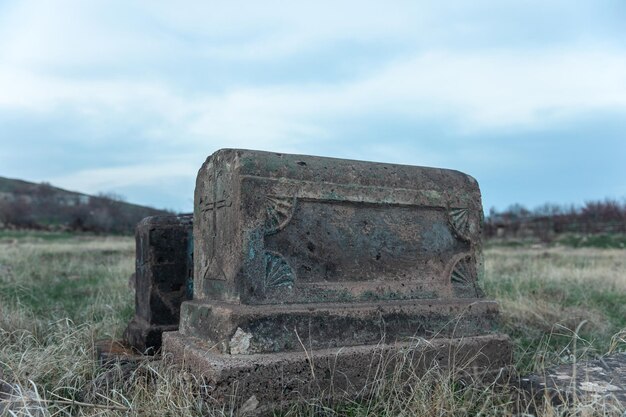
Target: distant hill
[27,205]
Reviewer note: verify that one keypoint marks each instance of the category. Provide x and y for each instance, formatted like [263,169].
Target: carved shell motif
[279,211]
[278,273]
[464,272]
[459,221]
[463,278]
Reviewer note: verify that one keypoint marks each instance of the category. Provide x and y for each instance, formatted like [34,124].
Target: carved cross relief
[218,200]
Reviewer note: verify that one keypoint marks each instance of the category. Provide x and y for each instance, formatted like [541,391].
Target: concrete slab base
[601,381]
[274,380]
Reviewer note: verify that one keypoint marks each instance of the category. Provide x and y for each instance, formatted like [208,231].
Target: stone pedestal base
[144,336]
[286,327]
[277,379]
[109,351]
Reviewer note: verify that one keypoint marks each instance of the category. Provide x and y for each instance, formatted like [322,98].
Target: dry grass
[59,295]
[545,294]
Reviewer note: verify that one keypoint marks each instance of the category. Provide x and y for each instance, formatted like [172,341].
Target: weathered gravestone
[307,269]
[163,278]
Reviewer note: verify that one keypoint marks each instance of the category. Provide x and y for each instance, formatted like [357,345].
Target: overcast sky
[529,97]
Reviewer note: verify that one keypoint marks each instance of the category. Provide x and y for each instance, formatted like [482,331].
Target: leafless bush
[545,221]
[17,213]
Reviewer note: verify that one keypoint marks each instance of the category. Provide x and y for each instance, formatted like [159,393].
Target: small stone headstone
[163,278]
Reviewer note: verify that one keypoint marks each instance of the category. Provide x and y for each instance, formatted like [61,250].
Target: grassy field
[59,293]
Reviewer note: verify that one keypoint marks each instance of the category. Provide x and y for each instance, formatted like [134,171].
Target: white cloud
[71,34]
[494,89]
[148,174]
[45,48]
[481,90]
[121,67]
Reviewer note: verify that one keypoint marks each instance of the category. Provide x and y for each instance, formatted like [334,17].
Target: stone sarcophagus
[296,253]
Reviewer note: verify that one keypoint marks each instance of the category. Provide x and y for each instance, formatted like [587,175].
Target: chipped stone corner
[240,342]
